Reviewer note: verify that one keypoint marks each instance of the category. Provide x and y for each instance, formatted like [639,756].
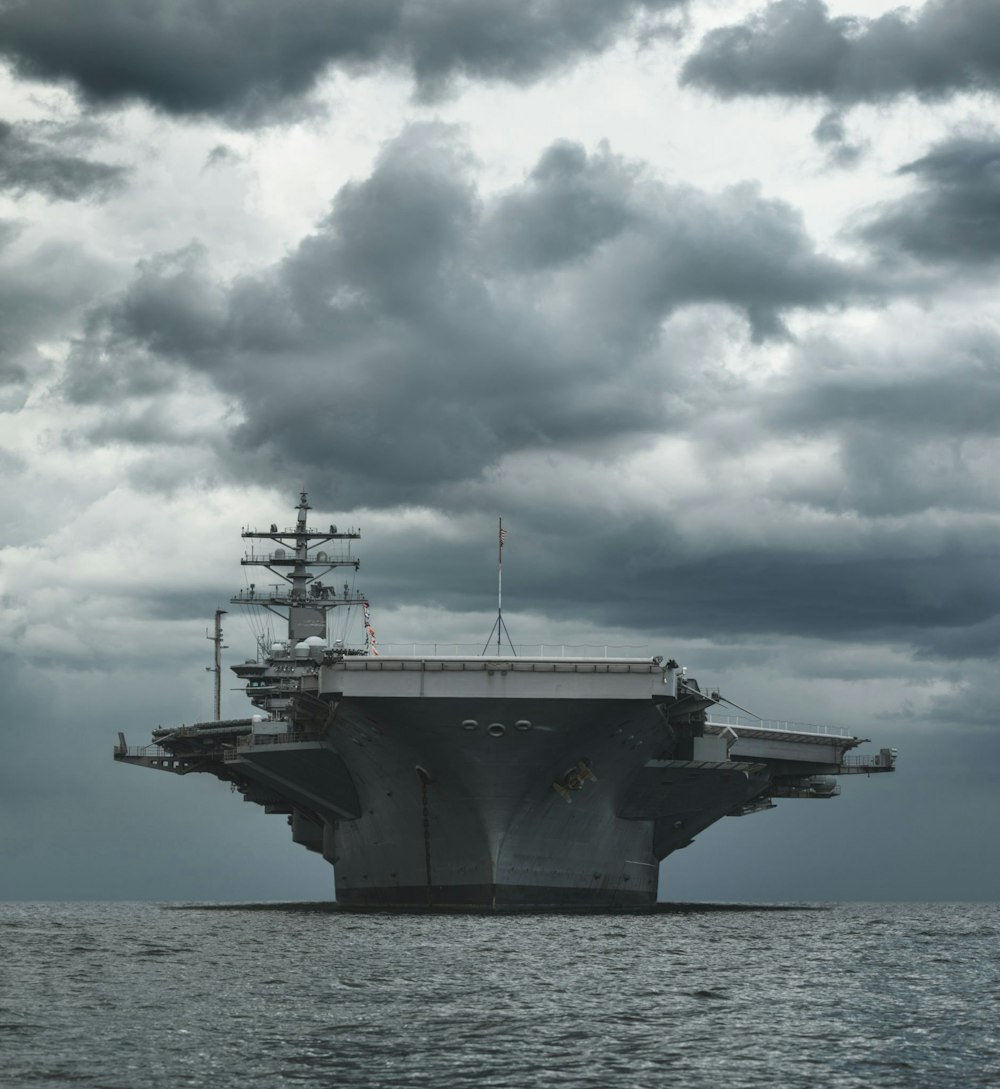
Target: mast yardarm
[300,562]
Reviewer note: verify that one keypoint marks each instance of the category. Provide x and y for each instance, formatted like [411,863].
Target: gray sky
[700,296]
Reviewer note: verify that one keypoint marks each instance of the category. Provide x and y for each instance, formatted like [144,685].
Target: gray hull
[500,784]
[455,816]
[450,783]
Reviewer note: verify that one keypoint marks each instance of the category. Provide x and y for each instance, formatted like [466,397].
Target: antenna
[498,625]
[304,601]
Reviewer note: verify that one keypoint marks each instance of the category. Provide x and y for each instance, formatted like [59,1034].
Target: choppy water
[128,996]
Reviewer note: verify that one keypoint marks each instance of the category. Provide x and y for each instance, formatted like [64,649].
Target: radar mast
[299,561]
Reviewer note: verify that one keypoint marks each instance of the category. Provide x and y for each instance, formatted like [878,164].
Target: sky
[699,295]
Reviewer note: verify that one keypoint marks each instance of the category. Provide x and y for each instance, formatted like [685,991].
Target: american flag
[503,536]
[371,643]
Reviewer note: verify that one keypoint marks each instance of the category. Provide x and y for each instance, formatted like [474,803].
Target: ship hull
[487,898]
[482,789]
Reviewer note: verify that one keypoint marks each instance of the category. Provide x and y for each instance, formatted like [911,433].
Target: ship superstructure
[482,782]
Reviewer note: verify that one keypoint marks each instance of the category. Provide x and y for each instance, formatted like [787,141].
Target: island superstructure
[480,782]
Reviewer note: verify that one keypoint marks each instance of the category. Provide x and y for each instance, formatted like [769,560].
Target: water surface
[129,996]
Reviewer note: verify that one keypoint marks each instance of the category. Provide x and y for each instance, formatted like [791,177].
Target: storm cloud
[425,333]
[796,48]
[250,59]
[953,213]
[425,330]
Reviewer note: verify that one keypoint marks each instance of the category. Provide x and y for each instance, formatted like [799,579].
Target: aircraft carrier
[493,781]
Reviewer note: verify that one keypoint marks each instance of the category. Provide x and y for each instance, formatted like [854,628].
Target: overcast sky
[699,295]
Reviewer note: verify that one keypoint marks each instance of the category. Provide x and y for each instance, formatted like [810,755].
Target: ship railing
[154,751]
[287,559]
[249,741]
[281,595]
[750,723]
[524,650]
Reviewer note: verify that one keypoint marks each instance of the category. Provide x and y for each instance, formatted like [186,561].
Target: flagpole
[499,579]
[498,625]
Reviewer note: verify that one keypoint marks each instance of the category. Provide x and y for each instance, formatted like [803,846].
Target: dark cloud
[12,374]
[954,212]
[449,38]
[912,427]
[943,387]
[33,159]
[424,331]
[830,133]
[98,375]
[886,593]
[150,424]
[569,206]
[903,583]
[173,306]
[972,637]
[892,537]
[248,59]
[796,48]
[43,291]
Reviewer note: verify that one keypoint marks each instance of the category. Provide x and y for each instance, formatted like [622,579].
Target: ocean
[136,995]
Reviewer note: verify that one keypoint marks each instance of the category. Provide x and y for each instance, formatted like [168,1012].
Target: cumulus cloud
[953,214]
[569,206]
[33,159]
[247,60]
[798,49]
[431,346]
[425,330]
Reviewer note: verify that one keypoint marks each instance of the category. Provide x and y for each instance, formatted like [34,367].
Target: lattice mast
[300,562]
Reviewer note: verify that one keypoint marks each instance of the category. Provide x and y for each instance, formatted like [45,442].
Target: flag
[503,536]
[371,643]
